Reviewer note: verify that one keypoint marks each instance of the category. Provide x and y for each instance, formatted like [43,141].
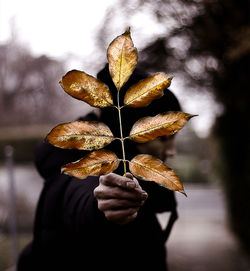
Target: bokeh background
[205,44]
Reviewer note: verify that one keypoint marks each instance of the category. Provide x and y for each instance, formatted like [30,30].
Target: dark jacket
[70,233]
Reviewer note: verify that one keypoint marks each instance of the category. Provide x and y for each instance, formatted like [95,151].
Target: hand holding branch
[119,197]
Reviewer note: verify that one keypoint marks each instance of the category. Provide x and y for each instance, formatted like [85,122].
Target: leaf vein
[98,163]
[148,168]
[82,136]
[121,65]
[151,129]
[143,93]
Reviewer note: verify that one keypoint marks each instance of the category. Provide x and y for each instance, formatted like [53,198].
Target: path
[201,239]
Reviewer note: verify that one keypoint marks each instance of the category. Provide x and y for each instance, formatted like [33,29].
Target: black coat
[70,233]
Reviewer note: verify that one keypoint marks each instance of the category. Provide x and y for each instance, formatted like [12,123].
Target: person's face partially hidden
[162,147]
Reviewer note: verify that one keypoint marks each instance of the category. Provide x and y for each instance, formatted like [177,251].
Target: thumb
[128,175]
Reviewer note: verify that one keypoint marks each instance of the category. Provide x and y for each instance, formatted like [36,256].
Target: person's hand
[119,197]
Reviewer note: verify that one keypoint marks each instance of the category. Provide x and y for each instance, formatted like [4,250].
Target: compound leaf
[96,163]
[145,91]
[164,124]
[82,135]
[122,57]
[85,87]
[149,168]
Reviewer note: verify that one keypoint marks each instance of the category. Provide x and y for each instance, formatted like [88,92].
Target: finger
[121,216]
[128,175]
[126,219]
[136,181]
[105,192]
[115,204]
[113,179]
[129,218]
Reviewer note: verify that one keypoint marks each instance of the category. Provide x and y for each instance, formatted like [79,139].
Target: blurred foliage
[207,44]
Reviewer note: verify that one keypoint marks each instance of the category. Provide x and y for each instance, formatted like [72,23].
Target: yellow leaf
[142,93]
[82,135]
[95,163]
[149,168]
[122,57]
[164,124]
[85,87]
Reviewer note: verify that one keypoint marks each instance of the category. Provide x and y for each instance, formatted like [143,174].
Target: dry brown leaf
[85,87]
[149,168]
[145,91]
[82,135]
[164,124]
[95,163]
[122,57]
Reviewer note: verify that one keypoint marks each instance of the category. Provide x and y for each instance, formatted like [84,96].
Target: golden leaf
[82,135]
[85,87]
[149,168]
[95,163]
[164,124]
[142,93]
[122,58]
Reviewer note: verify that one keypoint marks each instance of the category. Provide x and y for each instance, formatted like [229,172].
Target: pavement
[201,239]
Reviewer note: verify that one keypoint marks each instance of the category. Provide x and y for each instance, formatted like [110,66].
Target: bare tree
[29,89]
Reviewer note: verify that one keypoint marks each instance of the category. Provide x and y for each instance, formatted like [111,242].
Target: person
[107,222]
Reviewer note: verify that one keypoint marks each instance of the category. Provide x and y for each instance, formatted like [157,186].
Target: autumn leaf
[149,168]
[85,87]
[82,135]
[142,93]
[164,124]
[96,163]
[122,57]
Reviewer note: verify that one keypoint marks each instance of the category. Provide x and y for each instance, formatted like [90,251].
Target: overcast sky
[53,27]
[59,28]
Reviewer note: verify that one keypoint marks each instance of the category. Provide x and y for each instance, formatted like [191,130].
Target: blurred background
[205,44]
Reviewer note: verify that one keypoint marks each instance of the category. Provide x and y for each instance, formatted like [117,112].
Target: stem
[122,139]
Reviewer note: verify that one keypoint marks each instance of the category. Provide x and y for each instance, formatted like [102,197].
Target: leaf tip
[127,31]
[170,77]
[61,84]
[192,115]
[183,192]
